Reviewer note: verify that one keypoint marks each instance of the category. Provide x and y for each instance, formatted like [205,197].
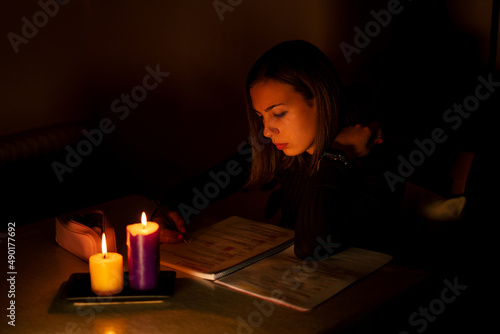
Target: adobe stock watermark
[221,7]
[121,107]
[292,277]
[372,29]
[420,319]
[30,28]
[453,119]
[220,179]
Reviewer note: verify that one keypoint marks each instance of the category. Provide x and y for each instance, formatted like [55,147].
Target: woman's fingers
[178,220]
[168,234]
[170,237]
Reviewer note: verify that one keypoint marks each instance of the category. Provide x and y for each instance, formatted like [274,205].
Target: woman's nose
[269,130]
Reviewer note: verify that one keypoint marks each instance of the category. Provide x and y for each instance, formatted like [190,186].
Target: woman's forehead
[269,94]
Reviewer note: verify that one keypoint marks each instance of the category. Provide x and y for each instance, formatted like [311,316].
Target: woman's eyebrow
[271,107]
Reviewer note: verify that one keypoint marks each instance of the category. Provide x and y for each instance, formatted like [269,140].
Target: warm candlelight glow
[106,271]
[144,220]
[103,246]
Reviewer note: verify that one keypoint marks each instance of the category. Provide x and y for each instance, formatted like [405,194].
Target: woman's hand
[357,140]
[167,234]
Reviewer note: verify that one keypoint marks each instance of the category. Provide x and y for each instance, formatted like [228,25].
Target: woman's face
[288,119]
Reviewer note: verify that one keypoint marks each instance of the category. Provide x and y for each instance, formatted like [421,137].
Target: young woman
[317,148]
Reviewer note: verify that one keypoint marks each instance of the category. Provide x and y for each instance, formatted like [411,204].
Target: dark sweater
[339,206]
[336,207]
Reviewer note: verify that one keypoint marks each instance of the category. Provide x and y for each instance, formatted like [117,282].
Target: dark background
[65,78]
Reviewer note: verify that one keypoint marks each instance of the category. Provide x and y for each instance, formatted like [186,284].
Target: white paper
[302,285]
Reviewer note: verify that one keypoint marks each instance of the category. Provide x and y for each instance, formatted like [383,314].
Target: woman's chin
[291,153]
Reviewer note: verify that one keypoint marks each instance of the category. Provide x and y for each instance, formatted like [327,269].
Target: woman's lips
[280,146]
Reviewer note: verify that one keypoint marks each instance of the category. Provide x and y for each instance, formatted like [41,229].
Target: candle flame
[144,220]
[103,246]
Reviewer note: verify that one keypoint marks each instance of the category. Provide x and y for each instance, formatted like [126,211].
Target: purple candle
[143,250]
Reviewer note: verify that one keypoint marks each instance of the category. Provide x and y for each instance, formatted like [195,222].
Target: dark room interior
[106,99]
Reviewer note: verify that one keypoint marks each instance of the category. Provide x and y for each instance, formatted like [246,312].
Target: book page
[223,245]
[284,279]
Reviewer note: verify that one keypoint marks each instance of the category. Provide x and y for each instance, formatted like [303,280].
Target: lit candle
[143,249]
[106,271]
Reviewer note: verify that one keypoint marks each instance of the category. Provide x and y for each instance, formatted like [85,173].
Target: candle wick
[104,255]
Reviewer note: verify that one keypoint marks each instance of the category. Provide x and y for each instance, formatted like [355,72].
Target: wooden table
[197,306]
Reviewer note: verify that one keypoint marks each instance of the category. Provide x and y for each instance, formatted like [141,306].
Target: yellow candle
[106,272]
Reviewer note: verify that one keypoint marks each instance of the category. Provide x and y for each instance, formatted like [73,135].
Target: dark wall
[86,57]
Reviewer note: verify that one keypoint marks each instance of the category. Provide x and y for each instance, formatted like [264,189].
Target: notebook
[225,247]
[302,285]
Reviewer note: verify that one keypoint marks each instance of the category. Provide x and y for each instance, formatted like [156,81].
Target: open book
[258,259]
[286,280]
[225,247]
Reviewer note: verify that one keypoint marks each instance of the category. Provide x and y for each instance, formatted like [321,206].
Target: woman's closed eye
[280,115]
